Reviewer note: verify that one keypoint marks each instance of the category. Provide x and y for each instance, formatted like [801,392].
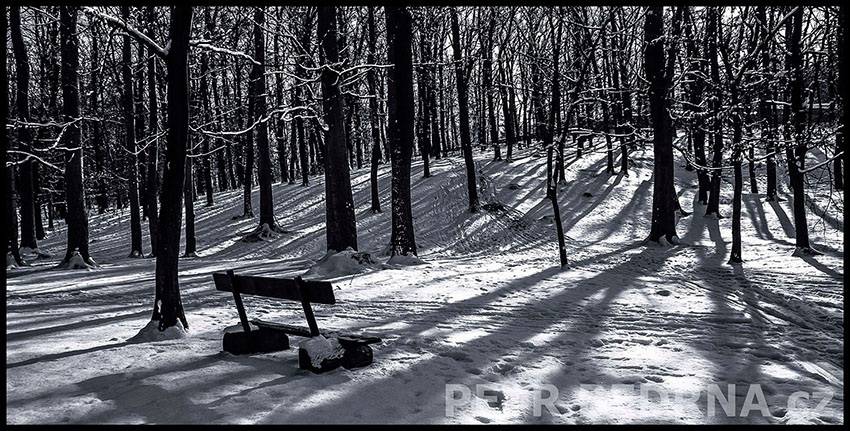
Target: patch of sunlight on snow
[213,249]
[543,337]
[460,337]
[778,371]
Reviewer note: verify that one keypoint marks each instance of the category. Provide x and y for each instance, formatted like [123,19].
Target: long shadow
[740,346]
[21,335]
[520,326]
[61,355]
[696,228]
[735,348]
[130,394]
[715,235]
[822,268]
[640,198]
[598,200]
[823,214]
[41,320]
[140,288]
[787,224]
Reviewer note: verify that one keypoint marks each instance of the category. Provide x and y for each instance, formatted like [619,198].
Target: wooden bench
[271,336]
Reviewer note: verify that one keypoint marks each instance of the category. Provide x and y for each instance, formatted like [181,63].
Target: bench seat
[303,331]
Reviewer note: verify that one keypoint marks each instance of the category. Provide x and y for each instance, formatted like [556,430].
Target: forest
[459,173]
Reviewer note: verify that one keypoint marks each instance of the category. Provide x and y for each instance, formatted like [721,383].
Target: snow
[77,262]
[151,332]
[405,260]
[491,308]
[346,262]
[10,261]
[320,348]
[30,253]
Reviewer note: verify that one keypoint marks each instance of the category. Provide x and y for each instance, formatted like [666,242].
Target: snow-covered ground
[489,307]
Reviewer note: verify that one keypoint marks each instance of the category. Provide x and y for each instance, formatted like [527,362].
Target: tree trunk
[374,120]
[100,148]
[168,307]
[424,124]
[510,128]
[551,188]
[766,110]
[10,234]
[75,194]
[606,116]
[279,124]
[242,140]
[189,203]
[130,142]
[248,151]
[838,168]
[463,111]
[339,207]
[663,195]
[695,90]
[293,146]
[400,134]
[25,171]
[797,153]
[262,133]
[488,84]
[141,157]
[230,153]
[153,150]
[714,105]
[737,132]
[625,95]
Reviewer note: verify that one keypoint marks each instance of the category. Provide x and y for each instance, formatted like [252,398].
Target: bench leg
[243,343]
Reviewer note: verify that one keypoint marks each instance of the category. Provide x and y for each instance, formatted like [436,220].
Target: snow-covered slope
[490,306]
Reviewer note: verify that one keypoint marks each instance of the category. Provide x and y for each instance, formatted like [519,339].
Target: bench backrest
[318,292]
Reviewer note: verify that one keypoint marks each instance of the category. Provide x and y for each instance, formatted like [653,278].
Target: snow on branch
[823,163]
[206,45]
[141,37]
[28,156]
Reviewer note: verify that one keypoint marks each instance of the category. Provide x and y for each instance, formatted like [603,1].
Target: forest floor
[490,307]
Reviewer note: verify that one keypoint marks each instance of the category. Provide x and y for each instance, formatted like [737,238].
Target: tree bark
[488,84]
[463,112]
[130,142]
[796,154]
[168,307]
[374,120]
[551,188]
[153,151]
[400,134]
[265,165]
[663,195]
[838,163]
[75,194]
[248,150]
[25,141]
[695,90]
[339,207]
[714,104]
[10,234]
[625,95]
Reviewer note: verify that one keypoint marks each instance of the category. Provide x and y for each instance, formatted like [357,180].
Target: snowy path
[490,307]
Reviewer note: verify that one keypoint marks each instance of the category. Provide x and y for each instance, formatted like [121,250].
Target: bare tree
[400,108]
